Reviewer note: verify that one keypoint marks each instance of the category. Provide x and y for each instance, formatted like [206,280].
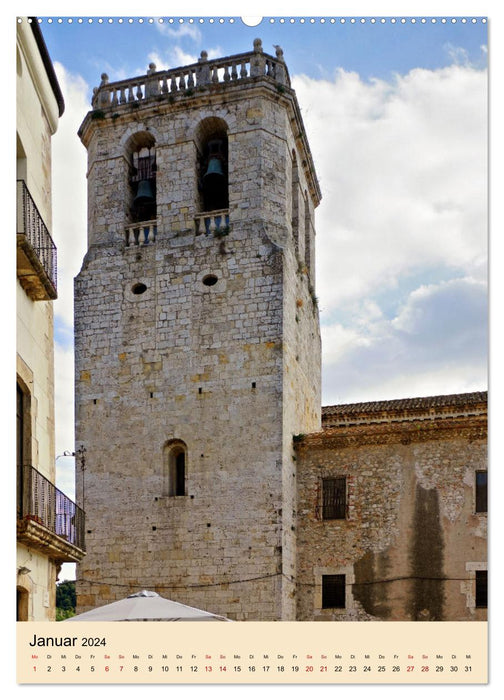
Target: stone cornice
[402,410]
[36,536]
[472,428]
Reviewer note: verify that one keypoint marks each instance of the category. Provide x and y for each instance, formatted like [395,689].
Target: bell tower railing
[140,234]
[198,76]
[214,223]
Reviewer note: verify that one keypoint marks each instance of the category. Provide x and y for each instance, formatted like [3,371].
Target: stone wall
[228,372]
[411,539]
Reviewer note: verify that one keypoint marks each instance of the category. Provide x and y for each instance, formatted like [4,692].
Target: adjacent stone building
[198,369]
[50,527]
[392,511]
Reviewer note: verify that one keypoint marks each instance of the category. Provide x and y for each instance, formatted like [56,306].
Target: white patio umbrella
[146,606]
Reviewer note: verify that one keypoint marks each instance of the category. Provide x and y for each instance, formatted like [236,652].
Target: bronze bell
[215,159]
[214,167]
[145,194]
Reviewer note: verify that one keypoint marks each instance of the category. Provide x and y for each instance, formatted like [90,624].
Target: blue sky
[395,114]
[396,118]
[374,50]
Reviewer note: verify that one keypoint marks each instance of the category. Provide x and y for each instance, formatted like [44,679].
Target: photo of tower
[270,328]
[209,474]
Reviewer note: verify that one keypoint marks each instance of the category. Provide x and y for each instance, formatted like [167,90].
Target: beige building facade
[47,521]
[198,415]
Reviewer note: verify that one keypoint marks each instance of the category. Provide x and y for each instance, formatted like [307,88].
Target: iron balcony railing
[31,224]
[41,502]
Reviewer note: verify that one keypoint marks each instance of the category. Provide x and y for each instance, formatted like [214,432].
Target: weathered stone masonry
[203,468]
[223,373]
[411,539]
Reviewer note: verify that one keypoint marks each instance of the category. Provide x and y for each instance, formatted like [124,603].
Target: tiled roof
[403,408]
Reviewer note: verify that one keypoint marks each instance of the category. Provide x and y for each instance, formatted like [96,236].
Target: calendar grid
[283,652]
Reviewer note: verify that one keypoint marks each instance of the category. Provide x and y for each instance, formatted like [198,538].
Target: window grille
[334,498]
[481,589]
[481,492]
[333,591]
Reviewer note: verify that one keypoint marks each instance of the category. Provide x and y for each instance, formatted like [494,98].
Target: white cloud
[70,234]
[402,168]
[435,344]
[175,56]
[182,30]
[64,403]
[69,191]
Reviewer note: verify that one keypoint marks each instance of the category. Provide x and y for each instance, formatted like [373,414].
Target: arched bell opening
[142,177]
[212,165]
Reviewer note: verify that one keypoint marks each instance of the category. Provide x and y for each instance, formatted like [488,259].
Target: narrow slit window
[180,474]
[174,469]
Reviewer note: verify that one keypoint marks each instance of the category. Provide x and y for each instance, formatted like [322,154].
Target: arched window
[142,177]
[212,164]
[174,468]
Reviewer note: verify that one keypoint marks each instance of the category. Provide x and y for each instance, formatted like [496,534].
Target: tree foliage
[65,597]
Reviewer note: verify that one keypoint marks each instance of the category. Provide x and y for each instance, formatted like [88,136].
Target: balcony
[36,251]
[47,520]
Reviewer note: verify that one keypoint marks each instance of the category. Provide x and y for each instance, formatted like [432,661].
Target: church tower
[197,336]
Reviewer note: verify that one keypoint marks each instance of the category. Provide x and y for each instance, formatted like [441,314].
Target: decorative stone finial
[104,79]
[204,56]
[152,68]
[279,52]
[258,45]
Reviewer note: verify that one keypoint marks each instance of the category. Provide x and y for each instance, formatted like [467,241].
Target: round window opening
[139,288]
[210,280]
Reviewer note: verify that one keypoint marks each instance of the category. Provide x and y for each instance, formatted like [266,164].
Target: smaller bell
[215,159]
[214,167]
[144,194]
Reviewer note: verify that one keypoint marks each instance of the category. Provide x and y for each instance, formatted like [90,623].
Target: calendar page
[252,350]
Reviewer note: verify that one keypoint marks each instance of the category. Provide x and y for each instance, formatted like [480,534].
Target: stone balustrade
[215,223]
[140,234]
[197,76]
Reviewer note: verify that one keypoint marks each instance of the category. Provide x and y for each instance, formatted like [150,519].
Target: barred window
[481,589]
[333,591]
[334,498]
[481,492]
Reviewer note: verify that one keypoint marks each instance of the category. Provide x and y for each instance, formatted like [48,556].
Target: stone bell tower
[197,336]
